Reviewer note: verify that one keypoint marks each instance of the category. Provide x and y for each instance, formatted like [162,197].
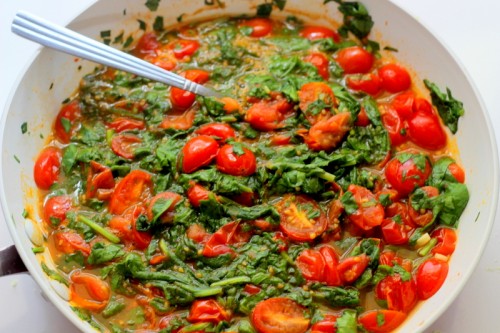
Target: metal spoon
[51,35]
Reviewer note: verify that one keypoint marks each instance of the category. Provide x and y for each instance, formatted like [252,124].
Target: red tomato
[184,48]
[457,172]
[183,121]
[313,32]
[447,239]
[168,215]
[229,234]
[55,209]
[64,127]
[121,124]
[430,277]
[88,291]
[244,198]
[198,152]
[47,167]
[320,61]
[370,212]
[395,78]
[400,295]
[327,325]
[130,191]
[403,104]
[311,264]
[260,26]
[362,119]
[399,210]
[69,242]
[328,133]
[230,105]
[279,314]
[351,268]
[301,217]
[405,174]
[394,233]
[314,92]
[355,60]
[280,140]
[381,321]
[207,310]
[232,163]
[395,126]
[331,275]
[220,131]
[147,44]
[264,116]
[420,218]
[197,233]
[125,228]
[389,258]
[100,181]
[123,145]
[426,131]
[183,99]
[368,83]
[196,194]
[251,289]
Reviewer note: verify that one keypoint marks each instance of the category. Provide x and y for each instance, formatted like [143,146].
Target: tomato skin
[47,167]
[366,216]
[229,234]
[70,113]
[264,116]
[392,319]
[405,177]
[311,264]
[403,104]
[198,152]
[196,194]
[457,172]
[183,121]
[426,131]
[237,165]
[260,26]
[447,239]
[327,325]
[331,274]
[99,179]
[147,44]
[279,314]
[55,208]
[220,131]
[431,275]
[197,233]
[368,83]
[312,92]
[320,61]
[125,227]
[184,48]
[252,289]
[395,126]
[326,134]
[123,145]
[294,221]
[207,310]
[423,218]
[121,124]
[362,119]
[400,295]
[351,268]
[355,60]
[394,233]
[183,99]
[130,191]
[313,32]
[168,215]
[98,291]
[69,242]
[395,78]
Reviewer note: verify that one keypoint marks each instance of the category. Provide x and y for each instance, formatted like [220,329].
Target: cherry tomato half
[351,268]
[327,325]
[310,94]
[229,234]
[267,115]
[370,212]
[447,240]
[207,310]
[123,145]
[88,291]
[130,191]
[326,134]
[47,167]
[311,264]
[313,32]
[69,242]
[279,314]
[426,131]
[395,126]
[381,321]
[100,181]
[320,61]
[147,44]
[198,152]
[236,163]
[219,131]
[260,26]
[406,172]
[183,99]
[368,83]
[64,126]
[121,124]
[395,78]
[400,295]
[457,171]
[55,209]
[196,194]
[184,48]
[355,60]
[430,277]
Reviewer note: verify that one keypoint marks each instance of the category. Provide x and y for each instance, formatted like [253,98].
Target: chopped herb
[25,213]
[118,39]
[152,4]
[390,48]
[105,33]
[128,42]
[24,127]
[17,159]
[449,108]
[158,24]
[180,17]
[142,25]
[51,85]
[38,249]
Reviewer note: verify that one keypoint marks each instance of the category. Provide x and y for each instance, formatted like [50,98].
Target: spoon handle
[51,35]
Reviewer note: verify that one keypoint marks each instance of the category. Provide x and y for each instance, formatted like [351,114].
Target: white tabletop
[469,28]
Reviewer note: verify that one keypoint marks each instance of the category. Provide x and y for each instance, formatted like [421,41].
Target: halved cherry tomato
[424,216]
[355,60]
[400,295]
[197,233]
[426,131]
[389,258]
[369,83]
[251,289]
[327,325]
[147,44]
[168,215]
[311,264]
[328,133]
[133,188]
[395,126]
[381,321]
[196,194]
[407,171]
[313,93]
[394,232]
[182,121]
[279,314]
[320,61]
[47,167]
[88,291]
[301,217]
[370,212]
[184,47]
[99,178]
[55,209]
[264,116]
[229,234]
[125,228]
[69,242]
[198,152]
[220,131]
[280,140]
[399,210]
[121,124]
[64,126]
[395,78]
[313,32]
[230,104]
[457,172]
[447,240]
[207,310]
[351,268]
[403,104]
[123,145]
[260,26]
[430,277]
[183,99]
[234,163]
[331,274]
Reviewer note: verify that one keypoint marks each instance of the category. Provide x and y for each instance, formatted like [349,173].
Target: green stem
[199,292]
[196,327]
[428,247]
[230,281]
[99,229]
